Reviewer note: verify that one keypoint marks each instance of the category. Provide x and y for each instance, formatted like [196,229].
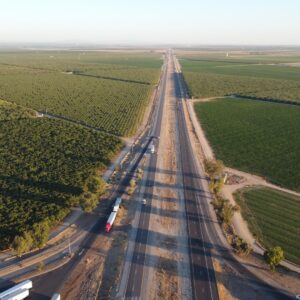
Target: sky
[186,22]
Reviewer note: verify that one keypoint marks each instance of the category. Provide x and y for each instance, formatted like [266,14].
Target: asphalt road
[136,273]
[201,267]
[202,273]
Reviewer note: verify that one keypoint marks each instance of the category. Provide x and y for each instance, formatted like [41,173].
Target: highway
[203,239]
[136,273]
[202,273]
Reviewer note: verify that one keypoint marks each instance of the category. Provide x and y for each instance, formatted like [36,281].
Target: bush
[132,183]
[224,210]
[40,266]
[40,234]
[96,184]
[89,201]
[273,256]
[22,244]
[241,246]
[214,169]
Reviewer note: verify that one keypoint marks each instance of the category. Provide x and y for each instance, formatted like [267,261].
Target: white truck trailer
[17,292]
[117,204]
[110,221]
[17,295]
[152,149]
[55,296]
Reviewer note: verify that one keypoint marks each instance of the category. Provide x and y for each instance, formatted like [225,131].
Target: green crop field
[106,90]
[11,111]
[256,76]
[45,165]
[49,165]
[273,218]
[256,137]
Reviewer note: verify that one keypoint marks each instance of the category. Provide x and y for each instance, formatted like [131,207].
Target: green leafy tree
[214,168]
[225,210]
[40,266]
[40,234]
[22,244]
[216,185]
[228,211]
[274,256]
[132,183]
[88,202]
[96,184]
[241,246]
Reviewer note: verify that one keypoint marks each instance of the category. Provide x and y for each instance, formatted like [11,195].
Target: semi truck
[118,201]
[17,292]
[110,221]
[17,295]
[152,149]
[116,208]
[117,204]
[55,296]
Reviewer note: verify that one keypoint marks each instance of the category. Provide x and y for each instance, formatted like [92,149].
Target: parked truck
[110,221]
[17,292]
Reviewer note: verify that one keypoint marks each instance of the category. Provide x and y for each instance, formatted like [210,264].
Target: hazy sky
[152,21]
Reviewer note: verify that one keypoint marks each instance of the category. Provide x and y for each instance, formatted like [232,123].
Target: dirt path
[206,99]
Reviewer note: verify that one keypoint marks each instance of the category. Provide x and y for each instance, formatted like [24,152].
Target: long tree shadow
[113,78]
[152,183]
[40,184]
[170,172]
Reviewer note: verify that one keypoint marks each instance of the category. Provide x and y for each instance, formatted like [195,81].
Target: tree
[40,266]
[96,185]
[216,185]
[132,183]
[214,168]
[274,256]
[40,234]
[224,210]
[240,245]
[88,202]
[228,211]
[22,244]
